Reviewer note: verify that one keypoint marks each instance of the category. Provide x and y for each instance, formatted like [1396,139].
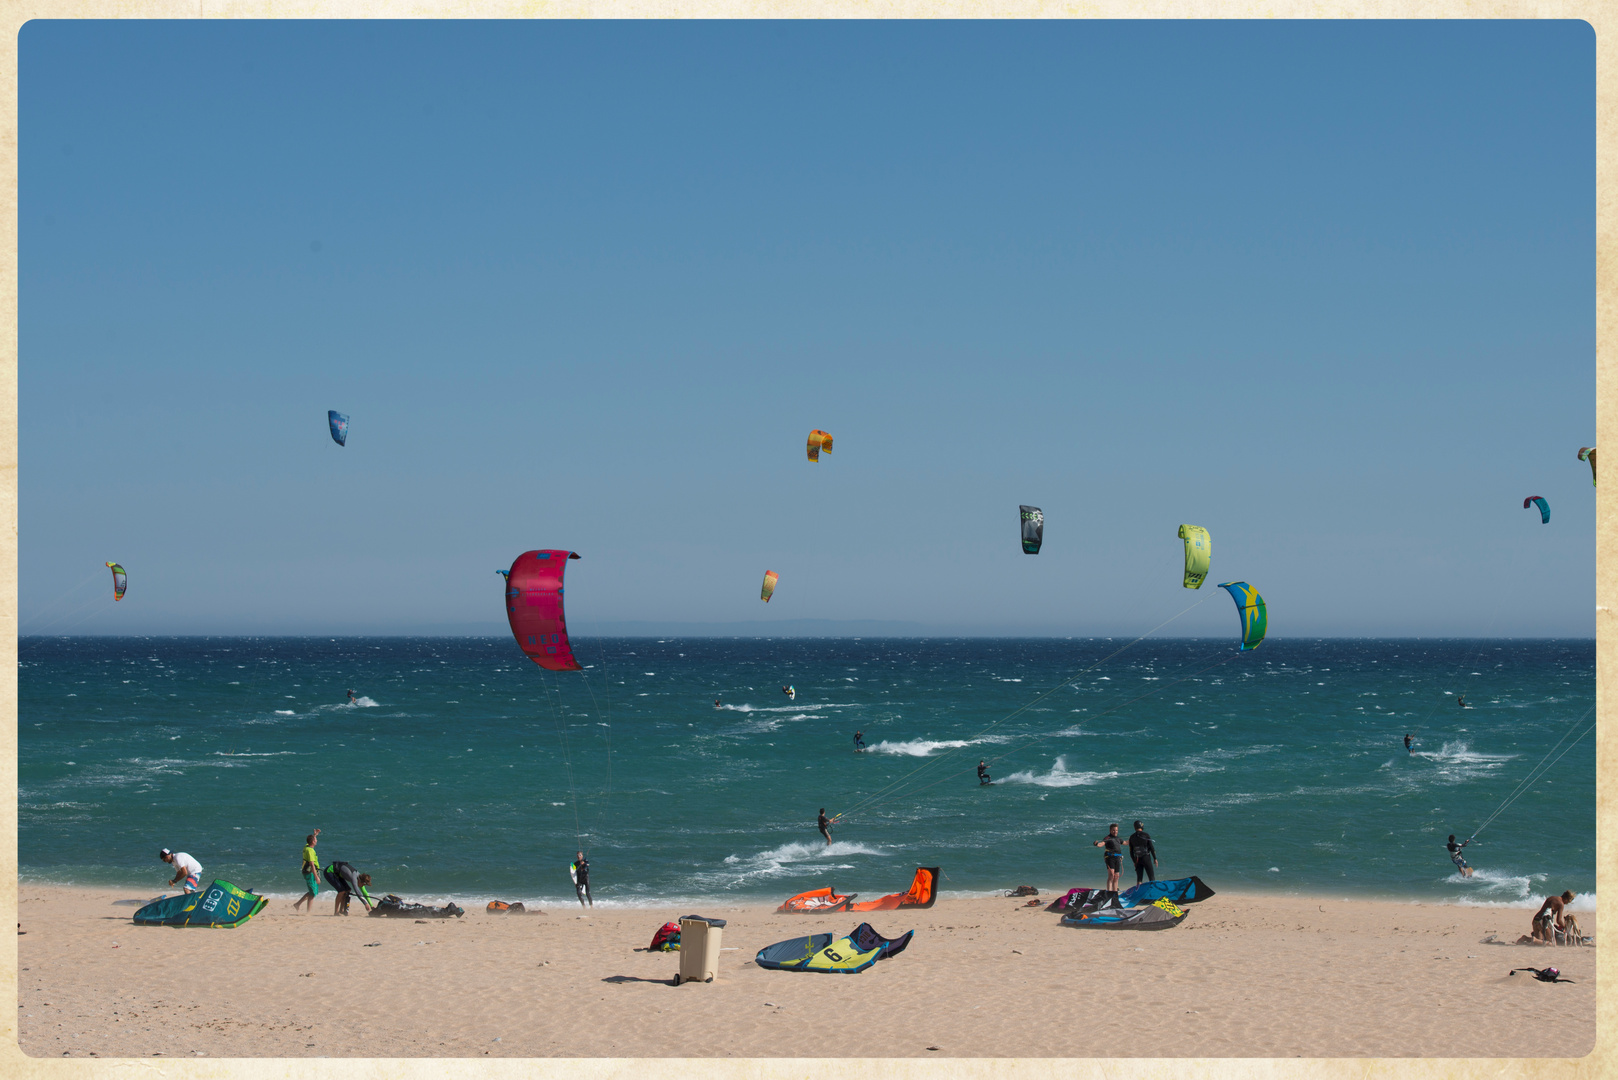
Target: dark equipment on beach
[391,907]
[1549,974]
[1160,915]
[500,907]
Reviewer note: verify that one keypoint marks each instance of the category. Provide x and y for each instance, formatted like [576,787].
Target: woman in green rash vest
[311,873]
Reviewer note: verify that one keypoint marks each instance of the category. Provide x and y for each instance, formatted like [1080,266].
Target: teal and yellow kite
[1198,550]
[1250,606]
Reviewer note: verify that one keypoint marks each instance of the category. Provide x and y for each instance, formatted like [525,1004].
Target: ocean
[463,771]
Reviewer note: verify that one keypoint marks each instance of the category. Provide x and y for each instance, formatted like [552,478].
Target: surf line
[895,786]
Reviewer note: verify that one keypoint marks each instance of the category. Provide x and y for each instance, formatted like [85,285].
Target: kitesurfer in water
[351,697]
[1144,854]
[983,774]
[581,880]
[716,703]
[1456,857]
[824,825]
[859,741]
[1461,701]
[1407,744]
[1113,856]
[790,692]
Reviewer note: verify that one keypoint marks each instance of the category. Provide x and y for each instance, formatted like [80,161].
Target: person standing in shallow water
[1113,856]
[581,880]
[824,825]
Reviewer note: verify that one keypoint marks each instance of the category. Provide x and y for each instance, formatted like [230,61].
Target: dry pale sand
[1244,976]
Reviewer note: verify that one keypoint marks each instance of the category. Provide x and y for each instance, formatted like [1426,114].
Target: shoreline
[1244,976]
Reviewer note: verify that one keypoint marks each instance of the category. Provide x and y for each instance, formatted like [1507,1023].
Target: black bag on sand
[392,907]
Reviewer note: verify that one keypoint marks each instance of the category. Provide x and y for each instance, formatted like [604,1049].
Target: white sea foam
[780,861]
[1059,776]
[285,712]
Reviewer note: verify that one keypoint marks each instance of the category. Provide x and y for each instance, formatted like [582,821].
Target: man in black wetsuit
[859,740]
[824,825]
[581,880]
[341,877]
[1113,856]
[983,774]
[1407,745]
[1143,853]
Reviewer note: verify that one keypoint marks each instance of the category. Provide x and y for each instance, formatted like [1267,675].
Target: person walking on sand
[824,825]
[186,870]
[1143,853]
[1113,856]
[581,879]
[311,873]
[1456,857]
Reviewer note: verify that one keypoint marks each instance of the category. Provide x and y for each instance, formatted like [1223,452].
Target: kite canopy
[1544,508]
[220,904]
[534,608]
[1198,551]
[120,581]
[922,893]
[818,441]
[1588,453]
[1033,529]
[1188,890]
[816,901]
[1250,608]
[339,426]
[845,956]
[770,578]
[1159,915]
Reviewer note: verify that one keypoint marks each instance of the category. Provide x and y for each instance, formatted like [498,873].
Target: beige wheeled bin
[699,948]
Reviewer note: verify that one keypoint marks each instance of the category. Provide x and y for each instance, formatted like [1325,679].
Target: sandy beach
[1244,976]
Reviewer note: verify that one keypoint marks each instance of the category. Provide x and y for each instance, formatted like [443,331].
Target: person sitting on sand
[1113,856]
[311,873]
[824,825]
[341,876]
[1549,917]
[983,774]
[1456,857]
[186,870]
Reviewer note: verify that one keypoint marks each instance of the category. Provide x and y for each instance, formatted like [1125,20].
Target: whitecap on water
[1059,776]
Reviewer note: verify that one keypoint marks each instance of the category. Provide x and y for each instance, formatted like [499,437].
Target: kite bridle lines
[1545,765]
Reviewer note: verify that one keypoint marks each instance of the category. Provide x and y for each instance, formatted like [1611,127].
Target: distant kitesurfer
[1113,856]
[716,703]
[859,740]
[824,825]
[1461,701]
[983,774]
[581,880]
[311,873]
[351,697]
[1144,854]
[1456,857]
[1407,744]
[186,869]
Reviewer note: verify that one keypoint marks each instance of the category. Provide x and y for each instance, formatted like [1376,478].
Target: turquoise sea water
[465,772]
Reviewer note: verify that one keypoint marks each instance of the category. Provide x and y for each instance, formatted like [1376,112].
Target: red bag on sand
[667,939]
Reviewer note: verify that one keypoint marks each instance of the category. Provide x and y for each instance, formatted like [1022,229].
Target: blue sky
[1326,289]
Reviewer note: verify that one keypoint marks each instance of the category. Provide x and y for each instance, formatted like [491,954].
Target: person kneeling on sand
[1548,918]
[341,876]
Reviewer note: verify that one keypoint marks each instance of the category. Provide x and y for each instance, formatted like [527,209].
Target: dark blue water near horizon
[465,772]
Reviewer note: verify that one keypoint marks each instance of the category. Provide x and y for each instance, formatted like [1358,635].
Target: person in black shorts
[342,877]
[1113,856]
[1143,853]
[859,740]
[824,825]
[581,880]
[983,774]
[1407,745]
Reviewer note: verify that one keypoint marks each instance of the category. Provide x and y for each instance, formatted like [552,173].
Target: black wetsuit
[1455,855]
[581,882]
[1144,854]
[983,775]
[1407,744]
[1113,849]
[824,825]
[342,877]
[859,741]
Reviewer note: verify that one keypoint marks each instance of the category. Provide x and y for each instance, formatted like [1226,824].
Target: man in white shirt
[186,869]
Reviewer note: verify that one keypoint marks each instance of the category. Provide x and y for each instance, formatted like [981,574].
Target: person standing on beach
[1456,857]
[581,880]
[1143,853]
[186,869]
[311,873]
[824,825]
[1113,856]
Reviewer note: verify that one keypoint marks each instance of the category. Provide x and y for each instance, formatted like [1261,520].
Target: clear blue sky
[1326,289]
